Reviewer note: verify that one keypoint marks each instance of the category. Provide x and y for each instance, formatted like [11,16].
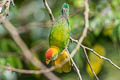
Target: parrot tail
[67,66]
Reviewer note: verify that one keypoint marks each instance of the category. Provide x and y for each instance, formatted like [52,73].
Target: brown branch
[24,71]
[85,29]
[90,64]
[20,70]
[26,52]
[49,10]
[45,71]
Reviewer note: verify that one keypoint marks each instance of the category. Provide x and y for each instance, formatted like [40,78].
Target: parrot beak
[47,61]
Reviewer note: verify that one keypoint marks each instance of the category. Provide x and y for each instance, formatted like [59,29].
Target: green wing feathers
[59,35]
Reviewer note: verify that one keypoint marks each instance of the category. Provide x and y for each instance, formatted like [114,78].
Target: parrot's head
[51,54]
[65,10]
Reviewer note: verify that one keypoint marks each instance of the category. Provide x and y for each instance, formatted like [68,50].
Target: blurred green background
[33,23]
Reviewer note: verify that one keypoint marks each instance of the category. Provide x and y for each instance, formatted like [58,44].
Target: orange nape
[66,67]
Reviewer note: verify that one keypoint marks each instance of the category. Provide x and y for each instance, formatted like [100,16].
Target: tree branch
[45,71]
[90,64]
[49,10]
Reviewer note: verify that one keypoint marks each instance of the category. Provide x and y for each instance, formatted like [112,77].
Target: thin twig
[90,64]
[75,66]
[49,10]
[20,70]
[27,71]
[101,57]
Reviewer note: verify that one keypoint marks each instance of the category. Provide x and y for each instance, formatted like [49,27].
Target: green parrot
[59,40]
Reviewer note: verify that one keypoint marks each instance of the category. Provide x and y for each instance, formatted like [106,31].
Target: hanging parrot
[59,40]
